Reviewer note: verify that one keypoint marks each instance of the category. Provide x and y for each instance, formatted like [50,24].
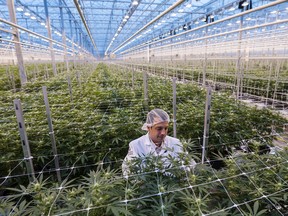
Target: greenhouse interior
[79,81]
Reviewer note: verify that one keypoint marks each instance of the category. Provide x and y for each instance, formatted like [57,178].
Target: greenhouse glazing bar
[30,45]
[85,24]
[30,32]
[148,24]
[211,24]
[222,34]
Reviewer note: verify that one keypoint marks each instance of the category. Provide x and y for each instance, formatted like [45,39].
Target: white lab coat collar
[153,146]
[148,142]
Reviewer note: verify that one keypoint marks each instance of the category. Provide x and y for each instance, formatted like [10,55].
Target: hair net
[154,117]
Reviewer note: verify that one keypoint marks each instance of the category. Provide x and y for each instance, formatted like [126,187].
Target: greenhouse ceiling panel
[111,26]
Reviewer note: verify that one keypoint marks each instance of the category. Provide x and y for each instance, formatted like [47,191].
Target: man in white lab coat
[155,142]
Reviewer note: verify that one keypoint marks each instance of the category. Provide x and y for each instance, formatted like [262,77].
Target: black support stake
[51,133]
[24,140]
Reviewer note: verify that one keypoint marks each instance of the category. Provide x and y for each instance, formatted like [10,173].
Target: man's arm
[125,165]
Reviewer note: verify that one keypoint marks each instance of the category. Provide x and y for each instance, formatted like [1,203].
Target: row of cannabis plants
[94,121]
[260,80]
[250,184]
[9,74]
[106,113]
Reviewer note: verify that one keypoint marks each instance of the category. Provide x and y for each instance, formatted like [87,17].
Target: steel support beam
[18,49]
[63,35]
[50,37]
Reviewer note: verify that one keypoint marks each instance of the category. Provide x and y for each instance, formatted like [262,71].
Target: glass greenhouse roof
[111,26]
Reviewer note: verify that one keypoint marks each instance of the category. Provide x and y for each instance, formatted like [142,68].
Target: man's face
[158,132]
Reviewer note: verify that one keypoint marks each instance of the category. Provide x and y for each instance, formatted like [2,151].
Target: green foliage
[93,128]
[158,189]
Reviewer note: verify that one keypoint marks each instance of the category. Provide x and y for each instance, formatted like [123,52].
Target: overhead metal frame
[99,21]
[85,23]
[170,39]
[149,23]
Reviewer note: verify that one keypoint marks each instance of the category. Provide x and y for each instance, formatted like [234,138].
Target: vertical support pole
[70,26]
[72,38]
[80,42]
[50,37]
[76,33]
[214,75]
[243,69]
[51,132]
[205,59]
[145,80]
[133,71]
[63,35]
[174,69]
[174,107]
[239,57]
[18,49]
[268,85]
[24,140]
[74,52]
[148,53]
[278,66]
[206,122]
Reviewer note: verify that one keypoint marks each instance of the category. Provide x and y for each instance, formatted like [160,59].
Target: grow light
[245,4]
[135,2]
[231,9]
[19,9]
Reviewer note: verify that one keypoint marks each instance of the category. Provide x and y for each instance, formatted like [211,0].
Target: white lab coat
[142,147]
